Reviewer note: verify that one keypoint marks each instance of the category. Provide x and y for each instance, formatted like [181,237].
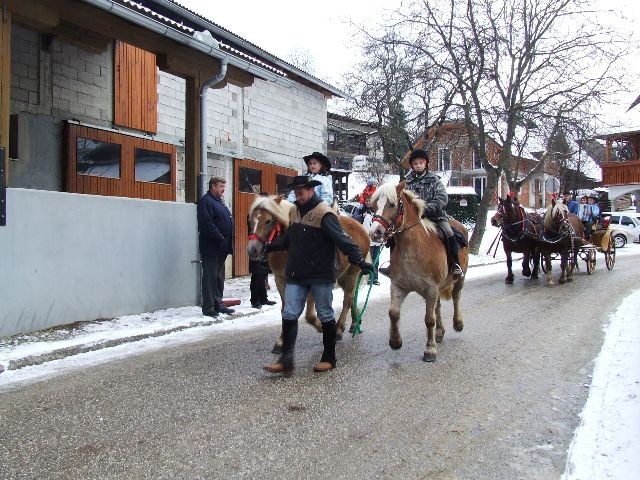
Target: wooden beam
[192,139]
[81,37]
[5,86]
[33,14]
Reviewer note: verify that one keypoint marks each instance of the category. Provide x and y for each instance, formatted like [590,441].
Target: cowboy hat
[324,161]
[303,181]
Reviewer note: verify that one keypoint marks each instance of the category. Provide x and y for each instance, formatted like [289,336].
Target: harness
[274,233]
[395,227]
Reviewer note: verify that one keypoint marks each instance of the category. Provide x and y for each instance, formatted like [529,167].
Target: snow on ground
[606,444]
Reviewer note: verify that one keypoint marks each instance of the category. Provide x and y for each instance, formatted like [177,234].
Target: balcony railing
[620,173]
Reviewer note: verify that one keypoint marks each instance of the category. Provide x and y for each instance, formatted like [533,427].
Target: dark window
[281,184]
[476,160]
[13,136]
[444,159]
[101,159]
[152,166]
[627,221]
[250,180]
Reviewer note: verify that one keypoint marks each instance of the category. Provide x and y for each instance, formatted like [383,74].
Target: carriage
[602,241]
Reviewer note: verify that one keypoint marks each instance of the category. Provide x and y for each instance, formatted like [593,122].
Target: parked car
[347,208]
[625,226]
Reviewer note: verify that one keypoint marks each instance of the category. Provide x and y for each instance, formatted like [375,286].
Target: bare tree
[521,69]
[302,58]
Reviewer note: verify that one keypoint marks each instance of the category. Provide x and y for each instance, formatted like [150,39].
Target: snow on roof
[461,191]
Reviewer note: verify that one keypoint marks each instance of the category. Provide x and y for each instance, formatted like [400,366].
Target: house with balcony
[621,165]
[354,148]
[113,116]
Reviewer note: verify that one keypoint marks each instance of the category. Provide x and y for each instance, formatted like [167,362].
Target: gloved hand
[365,266]
[429,211]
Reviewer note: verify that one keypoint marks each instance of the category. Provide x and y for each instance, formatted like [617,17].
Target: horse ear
[279,198]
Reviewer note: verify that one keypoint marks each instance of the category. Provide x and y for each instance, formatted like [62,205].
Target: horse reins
[274,233]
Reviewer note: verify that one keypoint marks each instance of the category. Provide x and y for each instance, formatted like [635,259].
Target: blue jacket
[215,225]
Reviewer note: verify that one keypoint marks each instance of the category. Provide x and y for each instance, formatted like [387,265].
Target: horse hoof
[395,345]
[458,326]
[338,336]
[562,282]
[277,349]
[429,357]
[526,273]
[439,338]
[508,280]
[534,276]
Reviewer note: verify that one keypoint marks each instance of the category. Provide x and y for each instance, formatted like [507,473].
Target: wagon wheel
[591,260]
[610,254]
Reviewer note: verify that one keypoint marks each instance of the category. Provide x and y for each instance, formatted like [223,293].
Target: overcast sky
[322,28]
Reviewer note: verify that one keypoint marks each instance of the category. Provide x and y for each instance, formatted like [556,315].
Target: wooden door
[251,178]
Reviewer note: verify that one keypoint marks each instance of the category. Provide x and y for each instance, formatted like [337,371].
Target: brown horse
[520,233]
[562,234]
[418,262]
[268,218]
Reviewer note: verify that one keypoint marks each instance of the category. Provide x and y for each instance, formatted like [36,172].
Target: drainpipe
[202,180]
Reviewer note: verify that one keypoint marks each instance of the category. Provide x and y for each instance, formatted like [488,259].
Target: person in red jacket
[372,185]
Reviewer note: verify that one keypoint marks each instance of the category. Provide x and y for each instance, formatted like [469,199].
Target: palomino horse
[268,218]
[520,232]
[562,233]
[418,262]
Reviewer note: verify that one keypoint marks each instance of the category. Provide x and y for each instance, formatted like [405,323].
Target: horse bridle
[275,232]
[523,230]
[395,227]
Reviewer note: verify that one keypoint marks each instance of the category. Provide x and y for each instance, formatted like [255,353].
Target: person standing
[313,235]
[318,169]
[215,227]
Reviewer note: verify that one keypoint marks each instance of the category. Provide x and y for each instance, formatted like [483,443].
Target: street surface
[501,402]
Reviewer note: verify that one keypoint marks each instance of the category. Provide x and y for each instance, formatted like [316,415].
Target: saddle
[462,242]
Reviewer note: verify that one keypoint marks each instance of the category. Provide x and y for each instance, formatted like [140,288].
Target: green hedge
[465,214]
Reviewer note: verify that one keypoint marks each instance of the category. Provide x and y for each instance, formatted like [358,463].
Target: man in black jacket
[313,235]
[215,225]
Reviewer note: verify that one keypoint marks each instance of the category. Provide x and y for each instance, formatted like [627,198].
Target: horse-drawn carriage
[601,241]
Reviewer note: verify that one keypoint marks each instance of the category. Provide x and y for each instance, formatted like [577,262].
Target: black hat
[320,157]
[302,181]
[417,153]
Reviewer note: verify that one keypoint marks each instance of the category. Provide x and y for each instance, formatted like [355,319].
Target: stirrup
[385,271]
[456,271]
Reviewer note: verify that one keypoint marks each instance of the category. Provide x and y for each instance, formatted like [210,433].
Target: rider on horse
[428,187]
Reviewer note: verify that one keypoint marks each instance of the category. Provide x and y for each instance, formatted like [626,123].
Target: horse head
[268,218]
[388,211]
[556,216]
[498,217]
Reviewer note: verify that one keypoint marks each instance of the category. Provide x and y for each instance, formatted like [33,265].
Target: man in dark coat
[215,225]
[313,235]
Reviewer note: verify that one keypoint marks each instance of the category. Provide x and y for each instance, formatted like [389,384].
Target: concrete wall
[51,84]
[68,257]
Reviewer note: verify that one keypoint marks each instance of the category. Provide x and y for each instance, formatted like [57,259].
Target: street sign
[552,185]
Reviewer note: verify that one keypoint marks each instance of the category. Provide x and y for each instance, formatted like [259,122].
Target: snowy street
[196,403]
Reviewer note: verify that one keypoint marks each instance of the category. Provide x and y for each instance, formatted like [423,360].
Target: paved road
[501,402]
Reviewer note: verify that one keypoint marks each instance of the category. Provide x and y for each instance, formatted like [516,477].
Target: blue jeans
[295,297]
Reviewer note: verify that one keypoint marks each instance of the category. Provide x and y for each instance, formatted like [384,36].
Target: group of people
[588,210]
[314,233]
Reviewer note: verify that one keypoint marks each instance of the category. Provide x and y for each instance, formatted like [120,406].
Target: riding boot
[456,270]
[328,360]
[285,364]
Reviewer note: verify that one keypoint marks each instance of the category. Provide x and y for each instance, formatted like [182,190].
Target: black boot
[456,269]
[328,360]
[289,334]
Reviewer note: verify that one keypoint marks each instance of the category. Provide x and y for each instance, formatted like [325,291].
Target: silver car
[625,227]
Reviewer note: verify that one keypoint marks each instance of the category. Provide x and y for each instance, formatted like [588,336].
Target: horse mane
[552,211]
[280,210]
[390,192]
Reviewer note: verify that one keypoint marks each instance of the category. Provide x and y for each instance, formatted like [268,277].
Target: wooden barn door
[251,178]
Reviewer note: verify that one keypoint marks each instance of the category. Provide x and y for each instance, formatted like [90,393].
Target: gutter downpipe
[202,178]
